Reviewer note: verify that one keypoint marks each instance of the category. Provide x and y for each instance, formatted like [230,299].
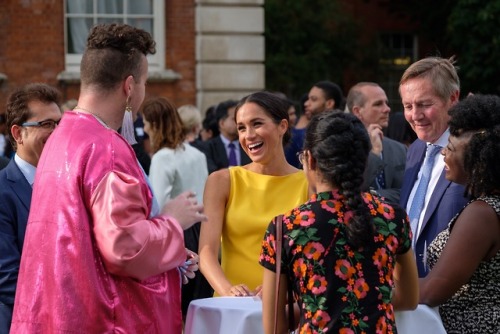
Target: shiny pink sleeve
[131,244]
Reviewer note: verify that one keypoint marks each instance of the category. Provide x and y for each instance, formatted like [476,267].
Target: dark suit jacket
[3,162]
[15,200]
[446,201]
[217,156]
[393,162]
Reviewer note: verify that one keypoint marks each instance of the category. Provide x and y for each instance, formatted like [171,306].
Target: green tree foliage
[468,29]
[306,41]
[474,33]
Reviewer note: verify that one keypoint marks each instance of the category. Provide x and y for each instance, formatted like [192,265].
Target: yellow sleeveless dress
[254,200]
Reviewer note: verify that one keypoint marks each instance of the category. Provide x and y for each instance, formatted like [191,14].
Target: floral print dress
[340,289]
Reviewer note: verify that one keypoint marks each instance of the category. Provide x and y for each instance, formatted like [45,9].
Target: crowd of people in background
[372,200]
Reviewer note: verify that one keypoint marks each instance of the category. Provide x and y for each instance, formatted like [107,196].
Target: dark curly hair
[340,145]
[478,116]
[275,106]
[114,52]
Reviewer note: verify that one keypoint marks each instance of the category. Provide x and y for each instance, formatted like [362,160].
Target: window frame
[156,61]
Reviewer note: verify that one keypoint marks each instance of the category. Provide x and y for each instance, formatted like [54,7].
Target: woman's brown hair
[165,124]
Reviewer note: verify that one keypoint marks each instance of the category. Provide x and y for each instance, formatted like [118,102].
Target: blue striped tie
[417,203]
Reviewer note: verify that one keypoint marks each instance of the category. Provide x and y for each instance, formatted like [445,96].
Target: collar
[227,141]
[443,140]
[26,168]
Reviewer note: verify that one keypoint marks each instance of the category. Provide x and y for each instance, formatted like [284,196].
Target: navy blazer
[445,202]
[217,155]
[15,200]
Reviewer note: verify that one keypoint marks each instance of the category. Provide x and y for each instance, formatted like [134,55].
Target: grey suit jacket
[393,162]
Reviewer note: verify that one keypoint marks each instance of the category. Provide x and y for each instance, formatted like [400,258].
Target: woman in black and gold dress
[465,258]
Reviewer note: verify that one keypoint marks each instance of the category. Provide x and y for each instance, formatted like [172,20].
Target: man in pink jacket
[99,255]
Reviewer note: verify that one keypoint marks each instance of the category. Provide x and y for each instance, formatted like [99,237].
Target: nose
[387,109]
[249,133]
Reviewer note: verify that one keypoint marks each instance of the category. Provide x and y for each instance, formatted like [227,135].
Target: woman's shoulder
[163,152]
[221,175]
[380,206]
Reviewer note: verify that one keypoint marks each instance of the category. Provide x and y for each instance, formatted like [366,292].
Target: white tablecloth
[423,319]
[243,315]
[224,315]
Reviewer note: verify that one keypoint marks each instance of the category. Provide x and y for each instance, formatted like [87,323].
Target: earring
[128,124]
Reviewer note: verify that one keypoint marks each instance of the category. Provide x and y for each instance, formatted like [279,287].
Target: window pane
[79,7]
[108,20]
[145,24]
[110,7]
[140,7]
[78,29]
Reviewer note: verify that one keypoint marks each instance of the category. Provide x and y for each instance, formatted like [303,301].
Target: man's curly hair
[114,52]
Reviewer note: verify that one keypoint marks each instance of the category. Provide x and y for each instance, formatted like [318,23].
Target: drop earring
[128,124]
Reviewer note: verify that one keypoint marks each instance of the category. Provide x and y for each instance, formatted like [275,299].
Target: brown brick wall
[32,48]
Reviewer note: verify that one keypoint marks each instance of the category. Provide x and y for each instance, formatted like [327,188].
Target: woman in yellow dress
[241,201]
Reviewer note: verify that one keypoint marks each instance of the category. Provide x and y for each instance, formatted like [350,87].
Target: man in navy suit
[32,114]
[428,89]
[386,162]
[218,149]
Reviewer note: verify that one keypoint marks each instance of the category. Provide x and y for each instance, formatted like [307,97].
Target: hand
[376,136]
[258,291]
[185,209]
[189,267]
[240,290]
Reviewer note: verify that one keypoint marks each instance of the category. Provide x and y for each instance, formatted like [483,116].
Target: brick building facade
[202,39]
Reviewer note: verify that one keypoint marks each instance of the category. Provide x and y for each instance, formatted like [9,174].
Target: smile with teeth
[255,146]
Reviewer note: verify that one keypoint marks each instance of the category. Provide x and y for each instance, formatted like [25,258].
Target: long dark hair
[340,145]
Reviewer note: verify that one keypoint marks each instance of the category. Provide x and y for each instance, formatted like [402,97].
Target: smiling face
[31,139]
[454,158]
[259,135]
[426,112]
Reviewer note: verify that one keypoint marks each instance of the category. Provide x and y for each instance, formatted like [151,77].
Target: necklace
[95,116]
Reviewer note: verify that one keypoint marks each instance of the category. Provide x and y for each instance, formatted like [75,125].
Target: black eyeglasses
[47,124]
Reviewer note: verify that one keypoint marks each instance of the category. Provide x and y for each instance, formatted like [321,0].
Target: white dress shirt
[437,169]
[26,168]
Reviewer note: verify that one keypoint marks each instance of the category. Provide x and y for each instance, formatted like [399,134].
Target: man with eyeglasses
[32,114]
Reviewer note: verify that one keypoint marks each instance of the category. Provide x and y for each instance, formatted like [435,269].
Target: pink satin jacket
[93,259]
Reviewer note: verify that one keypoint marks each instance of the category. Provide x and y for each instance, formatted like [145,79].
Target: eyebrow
[253,120]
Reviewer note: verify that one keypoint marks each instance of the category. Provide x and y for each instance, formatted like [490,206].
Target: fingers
[240,290]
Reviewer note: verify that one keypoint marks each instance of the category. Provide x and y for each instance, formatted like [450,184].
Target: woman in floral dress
[465,258]
[343,250]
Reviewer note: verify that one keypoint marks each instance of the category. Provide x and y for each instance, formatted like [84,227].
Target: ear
[283,126]
[128,85]
[311,162]
[454,98]
[15,130]
[330,104]
[356,111]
